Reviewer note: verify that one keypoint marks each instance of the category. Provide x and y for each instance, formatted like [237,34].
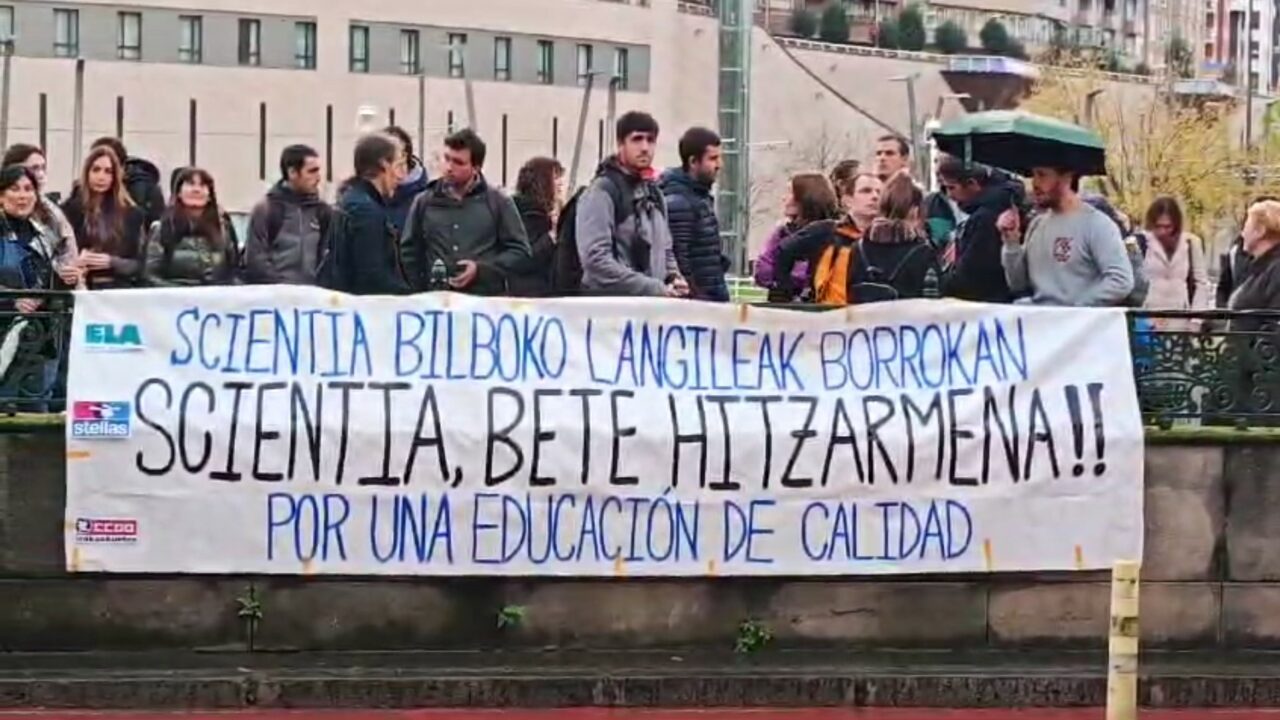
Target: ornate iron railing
[1203,368]
[1207,368]
[33,350]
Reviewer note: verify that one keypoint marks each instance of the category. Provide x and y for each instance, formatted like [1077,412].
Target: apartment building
[227,83]
[1139,31]
[1239,41]
[1031,22]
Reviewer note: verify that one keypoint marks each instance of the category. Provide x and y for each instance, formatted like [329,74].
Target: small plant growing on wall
[250,613]
[753,636]
[511,616]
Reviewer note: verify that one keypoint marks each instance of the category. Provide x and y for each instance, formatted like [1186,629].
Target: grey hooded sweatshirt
[624,251]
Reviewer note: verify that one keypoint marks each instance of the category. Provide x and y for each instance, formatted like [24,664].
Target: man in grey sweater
[624,243]
[1072,254]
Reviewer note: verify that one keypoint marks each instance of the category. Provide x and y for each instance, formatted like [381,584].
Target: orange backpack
[831,274]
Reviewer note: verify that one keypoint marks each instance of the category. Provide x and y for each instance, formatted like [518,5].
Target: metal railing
[1207,368]
[1191,368]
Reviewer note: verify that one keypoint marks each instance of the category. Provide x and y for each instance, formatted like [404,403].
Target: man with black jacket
[473,230]
[691,215]
[369,264]
[977,273]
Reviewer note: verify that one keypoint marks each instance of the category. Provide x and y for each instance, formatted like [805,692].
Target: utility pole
[917,147]
[1248,77]
[582,132]
[733,201]
[6,44]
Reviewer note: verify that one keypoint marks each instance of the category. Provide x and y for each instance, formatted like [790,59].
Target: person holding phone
[460,221]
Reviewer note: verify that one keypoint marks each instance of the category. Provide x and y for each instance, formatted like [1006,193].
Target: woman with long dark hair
[193,243]
[58,232]
[538,197]
[28,345]
[107,224]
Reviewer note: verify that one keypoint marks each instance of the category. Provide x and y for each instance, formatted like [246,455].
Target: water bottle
[931,285]
[439,275]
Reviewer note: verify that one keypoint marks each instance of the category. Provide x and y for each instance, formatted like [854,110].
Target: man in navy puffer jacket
[691,215]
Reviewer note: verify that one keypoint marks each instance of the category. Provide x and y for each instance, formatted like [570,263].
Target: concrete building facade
[1239,42]
[225,85]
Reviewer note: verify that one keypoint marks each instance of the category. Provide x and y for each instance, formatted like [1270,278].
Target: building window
[359,60]
[66,33]
[129,36]
[502,58]
[250,40]
[584,64]
[191,44]
[304,45]
[6,23]
[546,62]
[410,52]
[457,54]
[622,67]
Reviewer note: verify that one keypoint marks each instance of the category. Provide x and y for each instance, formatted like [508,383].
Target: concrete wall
[1211,579]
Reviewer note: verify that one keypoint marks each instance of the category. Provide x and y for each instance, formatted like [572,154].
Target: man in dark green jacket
[460,230]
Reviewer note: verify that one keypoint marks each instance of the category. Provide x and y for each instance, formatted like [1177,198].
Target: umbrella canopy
[1018,141]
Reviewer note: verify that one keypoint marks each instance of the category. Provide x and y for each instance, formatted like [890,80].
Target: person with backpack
[1173,261]
[538,197]
[895,259]
[462,228]
[826,244]
[286,228]
[193,243]
[359,254]
[620,243]
[695,230]
[1134,246]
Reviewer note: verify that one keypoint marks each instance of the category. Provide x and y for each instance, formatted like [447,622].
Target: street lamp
[590,79]
[910,81]
[6,47]
[1090,102]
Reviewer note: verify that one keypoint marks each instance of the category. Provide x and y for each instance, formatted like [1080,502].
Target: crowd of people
[855,235]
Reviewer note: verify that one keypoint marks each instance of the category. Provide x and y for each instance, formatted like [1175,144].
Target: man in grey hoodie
[623,239]
[1073,254]
[286,227]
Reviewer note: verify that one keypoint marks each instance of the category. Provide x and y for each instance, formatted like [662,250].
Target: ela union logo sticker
[101,420]
[105,337]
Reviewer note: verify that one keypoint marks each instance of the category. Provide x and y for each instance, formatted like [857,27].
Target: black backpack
[872,283]
[566,266]
[333,268]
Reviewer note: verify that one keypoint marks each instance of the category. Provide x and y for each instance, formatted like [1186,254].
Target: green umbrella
[1018,141]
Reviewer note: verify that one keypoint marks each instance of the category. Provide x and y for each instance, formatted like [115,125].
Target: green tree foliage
[887,35]
[834,25]
[950,38]
[804,23]
[911,34]
[1179,58]
[995,38]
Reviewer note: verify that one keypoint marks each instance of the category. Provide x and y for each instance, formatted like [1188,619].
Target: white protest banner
[293,430]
